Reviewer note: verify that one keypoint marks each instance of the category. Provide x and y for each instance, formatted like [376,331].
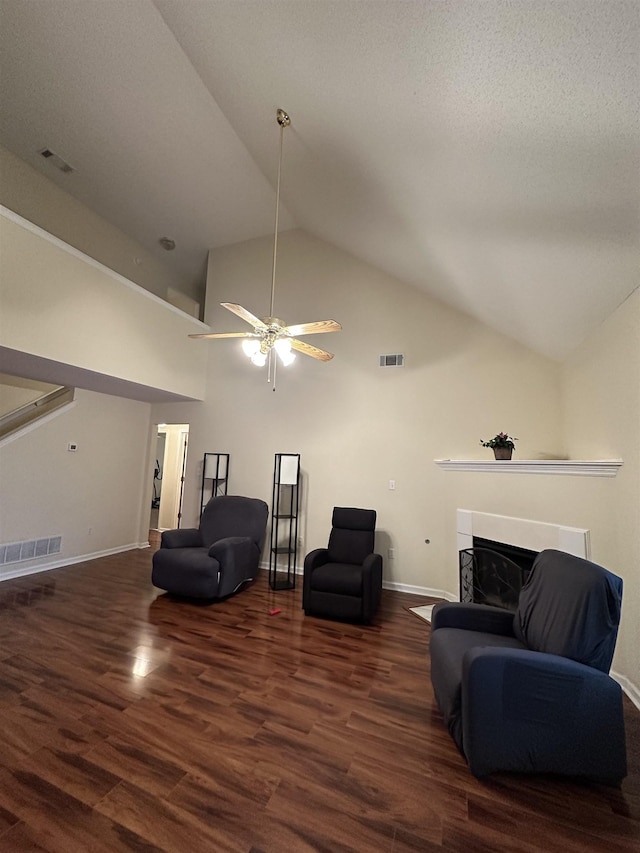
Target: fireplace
[494,572]
[496,552]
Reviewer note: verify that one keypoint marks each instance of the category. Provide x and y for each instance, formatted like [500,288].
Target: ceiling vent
[56,160]
[394,360]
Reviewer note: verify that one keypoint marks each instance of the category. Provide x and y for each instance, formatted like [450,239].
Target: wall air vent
[56,160]
[394,360]
[16,552]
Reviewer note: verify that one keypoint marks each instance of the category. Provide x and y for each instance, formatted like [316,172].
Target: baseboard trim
[628,687]
[397,587]
[70,561]
[419,590]
[264,567]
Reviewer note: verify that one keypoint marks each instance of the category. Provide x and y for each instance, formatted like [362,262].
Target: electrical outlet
[392,553]
[392,485]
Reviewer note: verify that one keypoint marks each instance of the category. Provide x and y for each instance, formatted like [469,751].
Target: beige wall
[601,383]
[94,498]
[356,425]
[33,196]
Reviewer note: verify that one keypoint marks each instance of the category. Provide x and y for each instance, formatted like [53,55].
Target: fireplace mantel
[580,467]
[522,532]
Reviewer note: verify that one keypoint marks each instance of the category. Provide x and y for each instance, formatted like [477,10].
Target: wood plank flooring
[134,722]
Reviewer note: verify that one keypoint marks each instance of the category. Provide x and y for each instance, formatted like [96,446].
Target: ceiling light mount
[282,118]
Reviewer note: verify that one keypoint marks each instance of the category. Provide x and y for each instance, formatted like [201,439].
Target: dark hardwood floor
[133,722]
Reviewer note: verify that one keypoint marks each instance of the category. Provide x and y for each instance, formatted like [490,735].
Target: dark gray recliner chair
[344,580]
[530,692]
[215,559]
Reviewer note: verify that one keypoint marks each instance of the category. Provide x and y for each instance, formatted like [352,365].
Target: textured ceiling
[486,152]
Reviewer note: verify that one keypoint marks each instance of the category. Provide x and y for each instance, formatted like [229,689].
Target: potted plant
[502,444]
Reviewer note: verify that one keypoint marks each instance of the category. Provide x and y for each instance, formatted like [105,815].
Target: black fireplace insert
[494,573]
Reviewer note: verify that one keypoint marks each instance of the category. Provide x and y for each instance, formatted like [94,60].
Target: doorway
[168,476]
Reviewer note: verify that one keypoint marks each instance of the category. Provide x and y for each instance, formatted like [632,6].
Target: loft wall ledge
[11,216]
[64,310]
[575,467]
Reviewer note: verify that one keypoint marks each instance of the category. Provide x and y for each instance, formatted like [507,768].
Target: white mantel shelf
[579,467]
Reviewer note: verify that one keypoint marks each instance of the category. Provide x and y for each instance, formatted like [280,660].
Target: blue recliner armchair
[530,692]
[216,558]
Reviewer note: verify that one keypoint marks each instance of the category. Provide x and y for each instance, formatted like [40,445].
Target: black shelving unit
[284,521]
[215,477]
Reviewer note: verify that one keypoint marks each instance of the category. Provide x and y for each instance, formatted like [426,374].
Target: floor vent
[31,549]
[395,360]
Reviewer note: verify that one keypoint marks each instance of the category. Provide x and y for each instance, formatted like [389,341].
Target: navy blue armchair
[216,558]
[530,692]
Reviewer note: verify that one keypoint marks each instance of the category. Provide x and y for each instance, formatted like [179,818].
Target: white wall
[93,498]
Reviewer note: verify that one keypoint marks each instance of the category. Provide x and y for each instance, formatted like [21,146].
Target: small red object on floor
[275,611]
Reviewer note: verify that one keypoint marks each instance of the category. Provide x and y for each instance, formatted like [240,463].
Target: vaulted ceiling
[485,152]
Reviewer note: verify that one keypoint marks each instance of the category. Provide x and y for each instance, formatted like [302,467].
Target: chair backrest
[570,607]
[233,515]
[352,535]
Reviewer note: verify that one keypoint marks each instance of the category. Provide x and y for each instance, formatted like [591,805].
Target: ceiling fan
[270,333]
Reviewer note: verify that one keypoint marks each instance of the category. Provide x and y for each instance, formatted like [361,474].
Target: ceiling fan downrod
[283,121]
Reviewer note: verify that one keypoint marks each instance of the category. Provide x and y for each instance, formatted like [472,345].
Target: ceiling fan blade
[226,335]
[245,315]
[316,328]
[307,349]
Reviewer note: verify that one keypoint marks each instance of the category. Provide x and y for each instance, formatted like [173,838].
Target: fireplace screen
[487,577]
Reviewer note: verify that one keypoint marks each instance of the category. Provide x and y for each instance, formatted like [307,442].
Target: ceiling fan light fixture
[287,358]
[250,346]
[259,358]
[283,347]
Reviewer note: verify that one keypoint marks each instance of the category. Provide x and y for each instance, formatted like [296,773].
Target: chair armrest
[187,537]
[472,617]
[372,563]
[371,584]
[316,558]
[237,557]
[527,711]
